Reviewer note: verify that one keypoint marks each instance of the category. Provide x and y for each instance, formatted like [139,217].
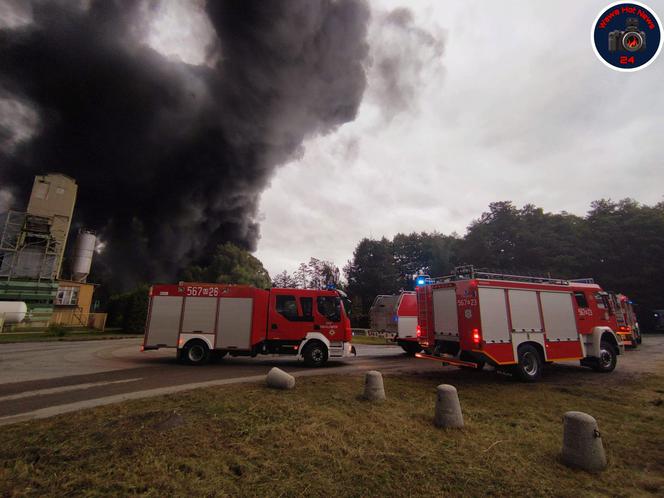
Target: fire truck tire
[411,347]
[196,352]
[530,365]
[315,354]
[607,358]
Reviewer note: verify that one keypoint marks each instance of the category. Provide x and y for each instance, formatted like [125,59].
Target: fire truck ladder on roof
[468,272]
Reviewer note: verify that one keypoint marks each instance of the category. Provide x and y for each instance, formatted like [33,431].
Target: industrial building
[32,249]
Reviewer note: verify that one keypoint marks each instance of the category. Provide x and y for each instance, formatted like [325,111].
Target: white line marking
[64,389]
[160,391]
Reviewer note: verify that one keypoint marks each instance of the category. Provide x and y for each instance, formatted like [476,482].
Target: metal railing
[67,318]
[468,272]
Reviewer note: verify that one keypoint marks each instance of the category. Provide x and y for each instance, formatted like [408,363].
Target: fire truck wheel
[607,358]
[530,364]
[196,352]
[411,347]
[314,354]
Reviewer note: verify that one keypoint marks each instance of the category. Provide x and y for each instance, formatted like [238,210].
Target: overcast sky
[517,107]
[468,102]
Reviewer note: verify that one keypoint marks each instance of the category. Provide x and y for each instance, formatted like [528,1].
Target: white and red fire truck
[406,317]
[201,320]
[513,322]
[628,327]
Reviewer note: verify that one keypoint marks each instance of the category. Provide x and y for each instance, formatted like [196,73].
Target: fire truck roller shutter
[446,321]
[524,311]
[559,320]
[493,314]
[234,323]
[526,322]
[164,325]
[199,315]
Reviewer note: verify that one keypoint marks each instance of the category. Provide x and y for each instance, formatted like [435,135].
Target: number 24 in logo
[626,60]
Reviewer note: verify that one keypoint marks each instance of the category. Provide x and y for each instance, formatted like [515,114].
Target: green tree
[371,272]
[230,264]
[284,280]
[129,310]
[426,253]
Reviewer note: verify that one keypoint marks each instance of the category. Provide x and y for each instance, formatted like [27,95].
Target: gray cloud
[403,54]
[171,157]
[522,111]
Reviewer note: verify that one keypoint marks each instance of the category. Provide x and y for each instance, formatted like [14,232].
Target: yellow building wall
[78,314]
[85,292]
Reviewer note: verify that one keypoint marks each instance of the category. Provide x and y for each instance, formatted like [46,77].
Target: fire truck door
[327,317]
[562,334]
[290,316]
[584,312]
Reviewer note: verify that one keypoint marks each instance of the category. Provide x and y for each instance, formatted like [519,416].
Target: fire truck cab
[200,319]
[515,322]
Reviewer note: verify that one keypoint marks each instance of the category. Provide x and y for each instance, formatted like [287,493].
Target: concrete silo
[83,251]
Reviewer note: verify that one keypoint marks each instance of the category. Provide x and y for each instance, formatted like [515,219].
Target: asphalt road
[38,380]
[43,379]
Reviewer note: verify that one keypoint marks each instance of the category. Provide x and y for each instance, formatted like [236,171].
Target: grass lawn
[321,440]
[72,335]
[366,339]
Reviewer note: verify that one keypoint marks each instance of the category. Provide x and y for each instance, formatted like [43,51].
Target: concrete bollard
[373,386]
[582,443]
[448,408]
[278,379]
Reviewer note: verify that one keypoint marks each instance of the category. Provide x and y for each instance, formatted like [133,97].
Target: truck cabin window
[602,302]
[581,300]
[287,307]
[329,307]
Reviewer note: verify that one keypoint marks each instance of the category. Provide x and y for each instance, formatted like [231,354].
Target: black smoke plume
[171,158]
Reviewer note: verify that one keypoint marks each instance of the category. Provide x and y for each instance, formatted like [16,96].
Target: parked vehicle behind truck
[200,320]
[382,314]
[406,317]
[517,323]
[628,326]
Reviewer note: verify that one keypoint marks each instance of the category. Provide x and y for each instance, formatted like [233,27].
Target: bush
[57,330]
[129,311]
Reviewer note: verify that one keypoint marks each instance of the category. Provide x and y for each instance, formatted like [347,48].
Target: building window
[67,296]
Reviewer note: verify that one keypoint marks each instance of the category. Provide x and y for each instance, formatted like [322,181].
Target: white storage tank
[13,311]
[83,252]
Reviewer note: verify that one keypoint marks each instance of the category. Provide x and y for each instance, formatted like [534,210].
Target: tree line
[619,244]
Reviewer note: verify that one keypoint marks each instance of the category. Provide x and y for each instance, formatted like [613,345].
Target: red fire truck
[516,322]
[628,327]
[201,319]
[406,317]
